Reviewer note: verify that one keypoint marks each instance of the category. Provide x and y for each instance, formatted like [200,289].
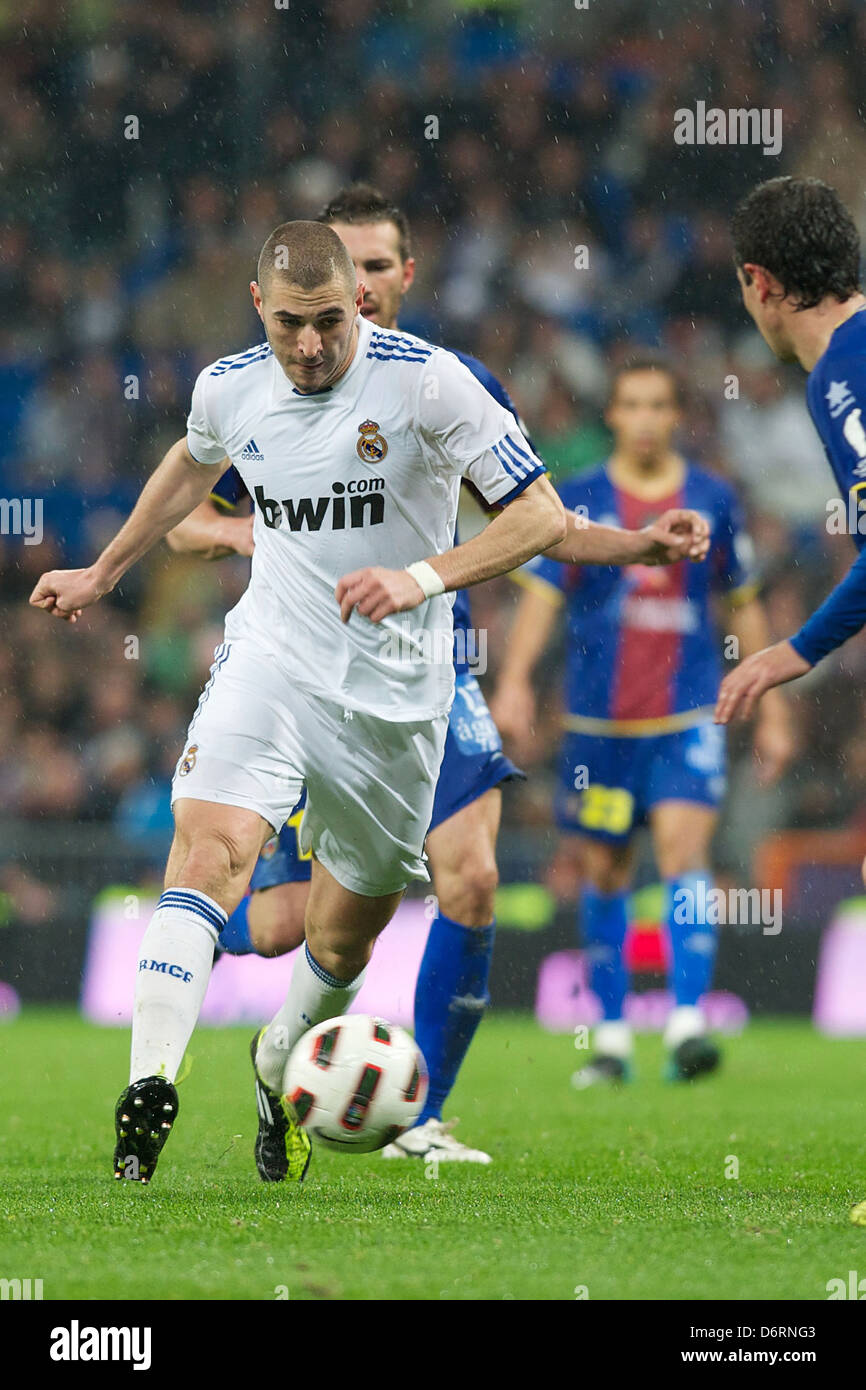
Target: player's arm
[513,701]
[210,534]
[773,741]
[177,485]
[841,615]
[464,433]
[532,521]
[678,534]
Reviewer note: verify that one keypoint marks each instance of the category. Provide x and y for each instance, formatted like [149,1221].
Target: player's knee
[342,956]
[469,896]
[604,868]
[608,880]
[216,861]
[276,921]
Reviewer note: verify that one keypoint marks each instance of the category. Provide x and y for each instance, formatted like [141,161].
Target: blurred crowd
[148,151]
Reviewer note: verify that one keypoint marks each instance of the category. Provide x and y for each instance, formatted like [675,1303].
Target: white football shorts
[256,740]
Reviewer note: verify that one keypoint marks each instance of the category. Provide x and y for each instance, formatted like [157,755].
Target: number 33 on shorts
[606,808]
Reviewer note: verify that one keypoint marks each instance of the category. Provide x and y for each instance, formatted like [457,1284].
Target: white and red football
[356,1082]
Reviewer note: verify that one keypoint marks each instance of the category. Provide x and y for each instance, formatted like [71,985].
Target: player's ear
[359,295]
[763,281]
[256,292]
[408,272]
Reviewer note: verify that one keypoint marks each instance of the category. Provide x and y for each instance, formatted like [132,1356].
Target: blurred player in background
[451,991]
[642,676]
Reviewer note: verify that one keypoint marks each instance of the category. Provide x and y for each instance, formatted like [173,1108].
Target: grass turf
[623,1193]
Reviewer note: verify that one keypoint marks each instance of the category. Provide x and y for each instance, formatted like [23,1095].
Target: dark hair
[801,232]
[646,362]
[305,254]
[360,203]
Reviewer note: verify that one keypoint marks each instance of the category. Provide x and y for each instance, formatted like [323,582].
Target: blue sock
[604,923]
[235,935]
[693,940]
[450,998]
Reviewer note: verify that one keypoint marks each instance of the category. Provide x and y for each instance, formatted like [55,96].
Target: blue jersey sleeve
[229,491]
[841,615]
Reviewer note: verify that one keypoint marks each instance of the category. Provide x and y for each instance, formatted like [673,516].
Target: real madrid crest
[188,762]
[372,446]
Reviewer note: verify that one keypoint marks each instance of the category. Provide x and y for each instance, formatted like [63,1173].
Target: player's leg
[276,918]
[269,920]
[236,781]
[686,784]
[606,867]
[213,853]
[341,927]
[682,833]
[451,990]
[370,786]
[596,807]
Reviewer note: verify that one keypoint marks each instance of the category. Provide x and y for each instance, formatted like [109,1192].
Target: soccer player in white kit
[352,446]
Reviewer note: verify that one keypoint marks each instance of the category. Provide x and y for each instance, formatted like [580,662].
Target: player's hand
[774,746]
[377,592]
[742,689]
[678,534]
[239,535]
[64,593]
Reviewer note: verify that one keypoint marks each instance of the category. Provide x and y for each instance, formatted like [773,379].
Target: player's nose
[309,342]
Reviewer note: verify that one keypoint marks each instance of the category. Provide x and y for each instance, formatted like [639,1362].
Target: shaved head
[307,296]
[306,254]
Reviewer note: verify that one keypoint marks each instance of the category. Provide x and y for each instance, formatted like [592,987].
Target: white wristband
[426,578]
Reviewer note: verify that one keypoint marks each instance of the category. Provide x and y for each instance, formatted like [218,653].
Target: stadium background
[127,261]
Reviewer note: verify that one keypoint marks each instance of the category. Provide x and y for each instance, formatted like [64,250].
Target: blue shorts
[472,763]
[281,860]
[607,786]
[473,760]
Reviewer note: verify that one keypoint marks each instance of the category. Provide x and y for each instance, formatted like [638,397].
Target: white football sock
[684,1023]
[612,1038]
[174,965]
[313,996]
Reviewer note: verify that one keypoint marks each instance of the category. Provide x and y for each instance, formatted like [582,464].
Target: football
[356,1082]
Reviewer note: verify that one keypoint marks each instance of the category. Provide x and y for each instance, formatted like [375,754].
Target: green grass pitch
[622,1194]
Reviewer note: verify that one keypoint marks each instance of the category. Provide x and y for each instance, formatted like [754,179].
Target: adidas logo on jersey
[366,499]
[250,452]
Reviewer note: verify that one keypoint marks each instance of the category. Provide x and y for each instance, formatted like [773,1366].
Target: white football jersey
[366,472]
